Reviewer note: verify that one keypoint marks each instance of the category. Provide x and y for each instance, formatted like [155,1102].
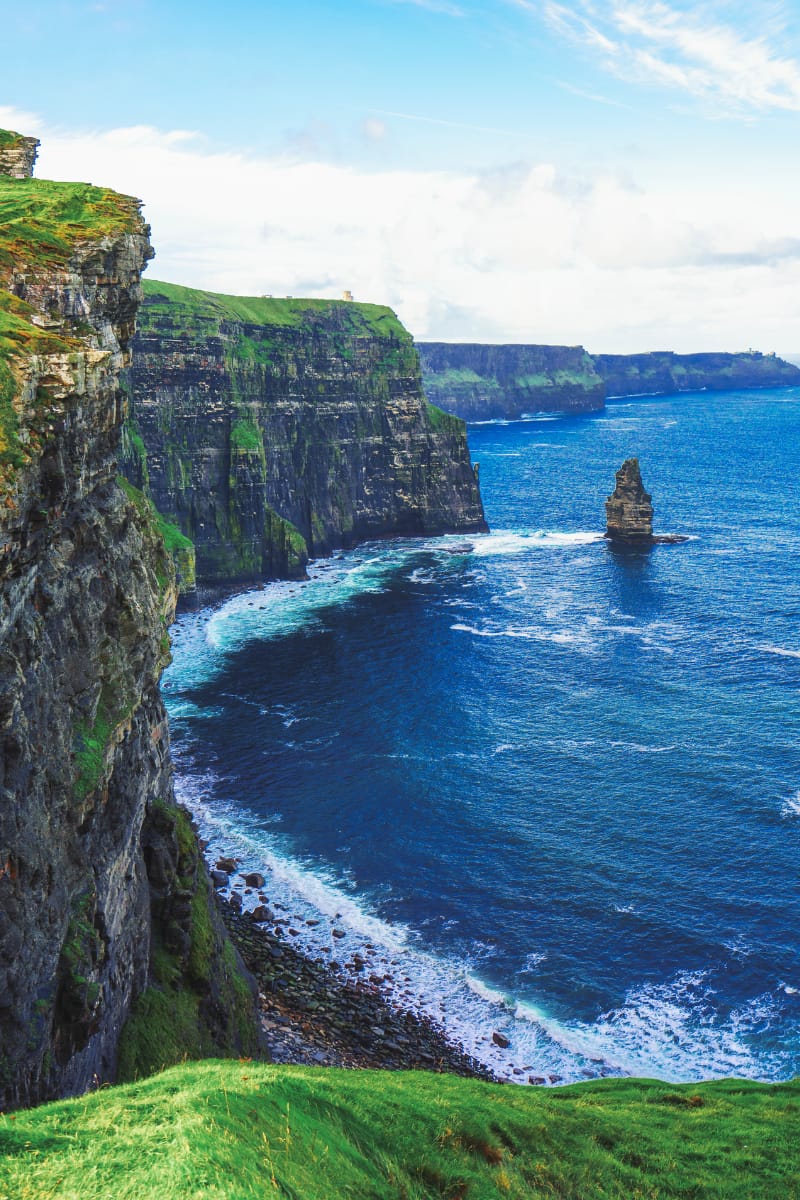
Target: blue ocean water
[550,790]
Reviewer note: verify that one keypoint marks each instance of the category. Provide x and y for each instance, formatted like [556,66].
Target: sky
[621,174]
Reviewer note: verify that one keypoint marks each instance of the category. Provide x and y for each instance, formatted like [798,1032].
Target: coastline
[322,1014]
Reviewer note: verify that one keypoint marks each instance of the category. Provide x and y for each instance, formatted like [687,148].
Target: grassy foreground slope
[235,1131]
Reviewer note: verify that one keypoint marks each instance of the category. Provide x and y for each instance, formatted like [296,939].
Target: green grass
[246,435]
[42,221]
[90,746]
[241,1131]
[179,1015]
[186,306]
[442,421]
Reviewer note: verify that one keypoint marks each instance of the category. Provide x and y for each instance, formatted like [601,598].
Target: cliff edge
[102,895]
[486,382]
[271,430]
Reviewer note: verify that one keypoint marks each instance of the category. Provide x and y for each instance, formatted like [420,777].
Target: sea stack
[629,509]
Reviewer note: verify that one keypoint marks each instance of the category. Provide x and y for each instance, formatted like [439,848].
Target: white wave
[485,992]
[510,542]
[570,638]
[202,640]
[781,651]
[791,807]
[638,748]
[671,1031]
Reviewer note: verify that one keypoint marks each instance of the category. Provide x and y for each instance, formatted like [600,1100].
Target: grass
[184,305]
[43,221]
[443,421]
[246,435]
[178,1015]
[241,1131]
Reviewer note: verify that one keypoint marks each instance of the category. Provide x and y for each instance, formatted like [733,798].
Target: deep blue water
[555,788]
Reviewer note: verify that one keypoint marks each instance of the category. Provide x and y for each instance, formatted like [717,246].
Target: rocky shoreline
[322,1013]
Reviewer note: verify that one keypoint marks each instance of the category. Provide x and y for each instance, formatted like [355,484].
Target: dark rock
[629,509]
[479,382]
[228,865]
[254,880]
[500,1040]
[269,442]
[219,879]
[98,866]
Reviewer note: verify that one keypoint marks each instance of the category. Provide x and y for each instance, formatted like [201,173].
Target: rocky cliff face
[664,372]
[271,430]
[479,383]
[629,508]
[17,154]
[94,869]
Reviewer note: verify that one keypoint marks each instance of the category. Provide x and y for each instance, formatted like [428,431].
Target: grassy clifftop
[236,1131]
[41,225]
[43,221]
[174,302]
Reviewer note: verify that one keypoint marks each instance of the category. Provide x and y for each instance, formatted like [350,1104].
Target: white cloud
[728,59]
[374,130]
[19,120]
[520,254]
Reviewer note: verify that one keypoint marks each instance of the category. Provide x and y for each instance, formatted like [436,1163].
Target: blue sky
[621,173]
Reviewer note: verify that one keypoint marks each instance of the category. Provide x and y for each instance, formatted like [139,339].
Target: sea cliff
[104,901]
[486,382]
[663,372]
[272,430]
[482,382]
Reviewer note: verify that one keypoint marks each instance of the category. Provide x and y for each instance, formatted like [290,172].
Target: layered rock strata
[17,154]
[629,512]
[483,382]
[664,373]
[629,508]
[272,430]
[99,875]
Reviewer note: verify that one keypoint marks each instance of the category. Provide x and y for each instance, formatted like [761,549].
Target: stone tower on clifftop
[17,154]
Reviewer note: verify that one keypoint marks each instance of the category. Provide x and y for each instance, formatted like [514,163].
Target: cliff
[272,430]
[663,372]
[104,902]
[481,382]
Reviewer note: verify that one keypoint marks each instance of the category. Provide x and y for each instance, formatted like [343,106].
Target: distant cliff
[105,910]
[273,430]
[482,382]
[663,372]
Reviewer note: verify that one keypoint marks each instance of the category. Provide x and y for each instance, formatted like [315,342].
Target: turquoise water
[550,790]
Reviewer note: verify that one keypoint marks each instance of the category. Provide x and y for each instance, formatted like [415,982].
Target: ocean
[550,789]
